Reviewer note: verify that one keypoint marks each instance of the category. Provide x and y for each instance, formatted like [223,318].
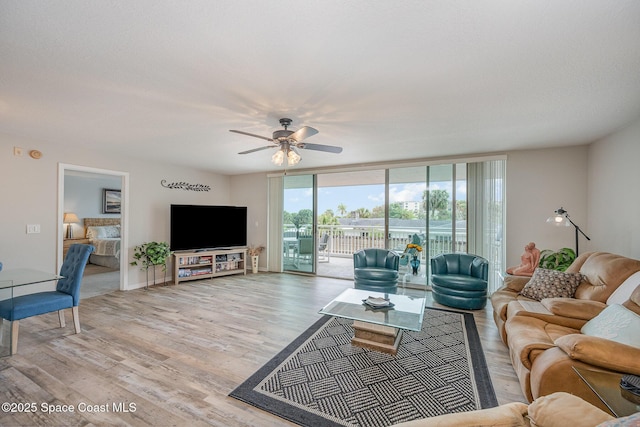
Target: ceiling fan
[289,142]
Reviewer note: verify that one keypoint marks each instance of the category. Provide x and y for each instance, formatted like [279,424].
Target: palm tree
[438,201]
[342,208]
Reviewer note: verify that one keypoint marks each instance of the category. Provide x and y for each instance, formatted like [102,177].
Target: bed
[104,234]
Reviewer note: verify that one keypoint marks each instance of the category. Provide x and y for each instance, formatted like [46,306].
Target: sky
[361,196]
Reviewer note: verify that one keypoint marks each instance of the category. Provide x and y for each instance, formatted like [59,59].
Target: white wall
[251,191]
[614,194]
[29,194]
[539,182]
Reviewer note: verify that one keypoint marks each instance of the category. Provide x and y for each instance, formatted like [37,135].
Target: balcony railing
[345,240]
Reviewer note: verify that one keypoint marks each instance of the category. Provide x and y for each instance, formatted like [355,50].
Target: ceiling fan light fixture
[293,158]
[278,157]
[288,142]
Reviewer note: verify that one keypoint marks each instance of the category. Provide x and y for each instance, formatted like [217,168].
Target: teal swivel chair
[376,270]
[459,280]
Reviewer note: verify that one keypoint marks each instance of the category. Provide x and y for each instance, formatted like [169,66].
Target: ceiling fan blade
[256,149]
[320,147]
[303,133]
[251,134]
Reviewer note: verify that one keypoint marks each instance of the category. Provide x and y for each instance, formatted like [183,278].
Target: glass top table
[407,312]
[606,386]
[10,280]
[24,276]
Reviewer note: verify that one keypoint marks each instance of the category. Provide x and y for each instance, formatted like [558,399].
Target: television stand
[208,263]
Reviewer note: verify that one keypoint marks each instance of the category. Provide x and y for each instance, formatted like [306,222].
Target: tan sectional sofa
[544,337]
[602,274]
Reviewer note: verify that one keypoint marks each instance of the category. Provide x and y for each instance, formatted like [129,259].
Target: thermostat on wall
[35,154]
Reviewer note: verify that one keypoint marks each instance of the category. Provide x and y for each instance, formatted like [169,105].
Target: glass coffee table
[379,328]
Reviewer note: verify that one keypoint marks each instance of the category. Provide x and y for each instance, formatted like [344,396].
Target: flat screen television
[196,227]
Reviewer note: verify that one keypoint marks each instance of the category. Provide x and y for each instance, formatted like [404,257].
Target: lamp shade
[70,217]
[558,220]
[278,157]
[561,218]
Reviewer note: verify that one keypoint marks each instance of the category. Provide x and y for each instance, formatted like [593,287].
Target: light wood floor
[177,351]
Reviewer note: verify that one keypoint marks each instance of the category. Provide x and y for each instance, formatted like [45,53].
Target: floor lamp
[561,218]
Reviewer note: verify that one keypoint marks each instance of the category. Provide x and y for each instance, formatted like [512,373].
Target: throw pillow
[551,284]
[616,323]
[624,291]
[103,232]
[630,421]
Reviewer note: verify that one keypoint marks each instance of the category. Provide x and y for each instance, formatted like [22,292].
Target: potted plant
[151,255]
[559,260]
[254,252]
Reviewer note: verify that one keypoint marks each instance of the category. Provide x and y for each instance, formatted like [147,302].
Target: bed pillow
[616,323]
[624,291]
[551,284]
[103,232]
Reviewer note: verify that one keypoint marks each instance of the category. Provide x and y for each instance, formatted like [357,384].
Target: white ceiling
[386,80]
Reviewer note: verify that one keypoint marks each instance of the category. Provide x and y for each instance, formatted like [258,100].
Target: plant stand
[164,279]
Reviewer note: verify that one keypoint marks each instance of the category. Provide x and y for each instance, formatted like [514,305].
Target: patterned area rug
[321,379]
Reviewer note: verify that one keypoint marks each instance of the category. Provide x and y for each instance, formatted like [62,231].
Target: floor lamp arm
[577,230]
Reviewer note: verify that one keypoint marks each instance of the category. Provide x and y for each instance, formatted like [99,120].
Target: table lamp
[70,218]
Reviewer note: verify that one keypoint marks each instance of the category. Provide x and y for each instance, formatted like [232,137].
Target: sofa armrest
[507,415]
[574,308]
[601,352]
[562,409]
[527,339]
[516,283]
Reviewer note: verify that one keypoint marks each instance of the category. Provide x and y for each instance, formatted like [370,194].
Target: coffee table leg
[381,338]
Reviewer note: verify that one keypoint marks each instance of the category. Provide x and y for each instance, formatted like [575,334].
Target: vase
[415,265]
[254,264]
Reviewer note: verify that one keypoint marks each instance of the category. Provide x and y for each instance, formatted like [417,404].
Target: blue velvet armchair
[376,270]
[66,295]
[460,280]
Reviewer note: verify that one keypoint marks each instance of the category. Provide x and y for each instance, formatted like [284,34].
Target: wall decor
[111,201]
[185,186]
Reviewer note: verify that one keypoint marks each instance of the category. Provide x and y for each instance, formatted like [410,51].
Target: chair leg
[61,317]
[76,318]
[14,336]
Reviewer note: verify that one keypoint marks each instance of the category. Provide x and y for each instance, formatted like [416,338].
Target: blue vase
[415,265]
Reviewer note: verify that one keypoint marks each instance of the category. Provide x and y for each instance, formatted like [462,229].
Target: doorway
[83,191]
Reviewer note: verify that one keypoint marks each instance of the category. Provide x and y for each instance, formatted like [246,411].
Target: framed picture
[111,201]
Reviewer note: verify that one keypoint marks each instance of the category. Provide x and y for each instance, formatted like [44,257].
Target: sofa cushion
[615,323]
[573,308]
[603,273]
[624,291]
[551,284]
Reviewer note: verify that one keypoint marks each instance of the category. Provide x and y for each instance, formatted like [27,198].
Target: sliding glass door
[298,224]
[427,208]
[329,216]
[351,216]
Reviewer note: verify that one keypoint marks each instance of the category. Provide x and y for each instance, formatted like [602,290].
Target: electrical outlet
[18,152]
[33,228]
